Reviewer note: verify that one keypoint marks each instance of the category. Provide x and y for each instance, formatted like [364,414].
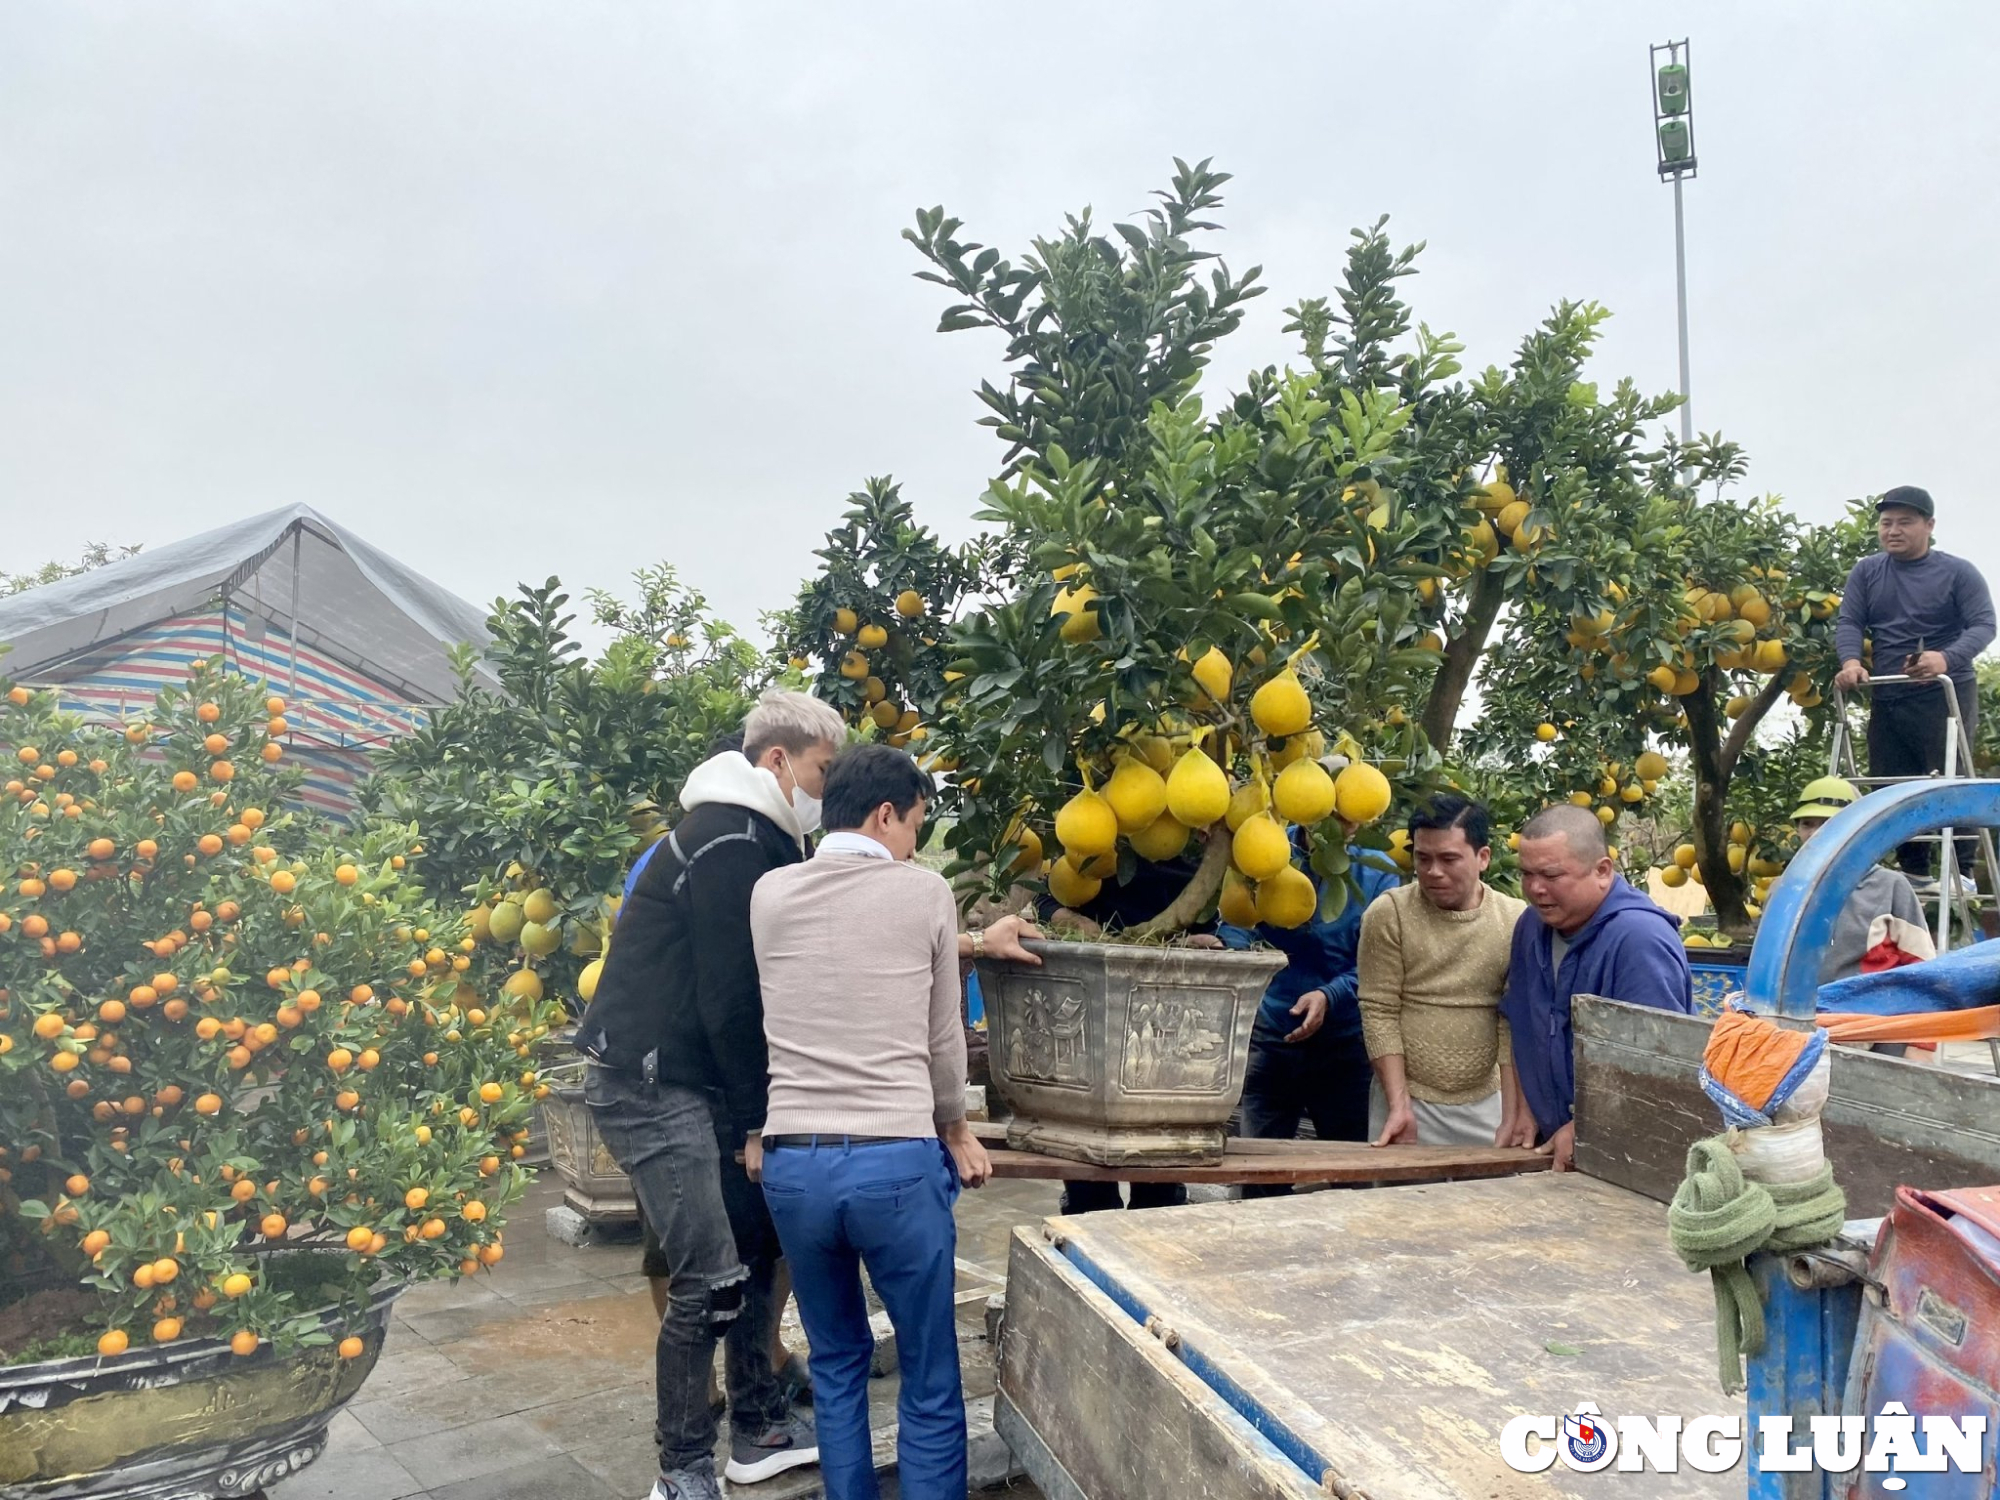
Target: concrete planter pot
[189,1420]
[592,1183]
[1123,1055]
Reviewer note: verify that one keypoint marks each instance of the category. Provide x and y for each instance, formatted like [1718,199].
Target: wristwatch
[978,943]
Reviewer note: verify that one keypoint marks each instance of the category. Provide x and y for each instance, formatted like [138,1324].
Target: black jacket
[678,998]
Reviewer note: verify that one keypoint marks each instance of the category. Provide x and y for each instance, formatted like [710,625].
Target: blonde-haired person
[678,1078]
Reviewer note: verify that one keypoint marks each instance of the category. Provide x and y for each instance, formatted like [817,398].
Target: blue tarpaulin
[1959,980]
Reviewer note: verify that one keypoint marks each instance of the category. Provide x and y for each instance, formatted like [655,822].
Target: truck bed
[1366,1344]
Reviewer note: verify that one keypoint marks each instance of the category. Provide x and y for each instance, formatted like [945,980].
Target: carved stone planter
[592,1183]
[189,1420]
[1123,1055]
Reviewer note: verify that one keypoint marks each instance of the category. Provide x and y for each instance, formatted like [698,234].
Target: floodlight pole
[1681,293]
[1673,142]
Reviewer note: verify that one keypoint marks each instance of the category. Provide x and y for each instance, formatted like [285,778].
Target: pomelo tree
[533,805]
[229,1032]
[1722,625]
[1189,600]
[877,617]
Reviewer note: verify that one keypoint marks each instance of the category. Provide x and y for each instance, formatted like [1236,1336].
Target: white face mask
[805,806]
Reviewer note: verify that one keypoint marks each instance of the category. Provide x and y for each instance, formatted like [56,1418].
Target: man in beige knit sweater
[1433,965]
[865,1142]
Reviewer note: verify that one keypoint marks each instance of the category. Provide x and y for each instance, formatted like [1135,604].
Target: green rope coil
[1719,1218]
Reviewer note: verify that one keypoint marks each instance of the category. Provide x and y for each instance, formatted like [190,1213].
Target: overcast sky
[513,289]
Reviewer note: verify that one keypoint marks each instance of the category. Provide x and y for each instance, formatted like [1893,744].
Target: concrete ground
[535,1380]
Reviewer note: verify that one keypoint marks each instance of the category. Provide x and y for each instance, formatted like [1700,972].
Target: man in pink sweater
[865,1142]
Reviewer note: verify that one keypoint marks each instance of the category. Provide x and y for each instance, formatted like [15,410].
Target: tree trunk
[1461,658]
[1714,765]
[1201,888]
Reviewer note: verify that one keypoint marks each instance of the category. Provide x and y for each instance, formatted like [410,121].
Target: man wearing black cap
[1928,615]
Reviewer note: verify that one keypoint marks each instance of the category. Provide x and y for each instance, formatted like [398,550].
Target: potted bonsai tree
[1198,630]
[250,1087]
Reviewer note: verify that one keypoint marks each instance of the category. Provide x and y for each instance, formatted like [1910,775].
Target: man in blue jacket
[1307,1057]
[1586,932]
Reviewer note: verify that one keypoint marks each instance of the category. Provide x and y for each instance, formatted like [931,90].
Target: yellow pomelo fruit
[907,720]
[523,984]
[1081,627]
[1737,707]
[1673,877]
[586,982]
[1480,539]
[1214,674]
[1361,793]
[871,637]
[1742,594]
[1740,832]
[1545,732]
[539,906]
[540,938]
[1261,849]
[1308,746]
[1738,857]
[1079,619]
[1511,515]
[1087,825]
[1239,901]
[1606,816]
[846,621]
[1650,766]
[505,923]
[874,690]
[1579,799]
[1663,677]
[1160,840]
[1765,871]
[1756,610]
[1137,794]
[1287,899]
[1497,495]
[1197,791]
[1684,856]
[1685,682]
[1632,792]
[1029,859]
[1071,886]
[1303,792]
[909,604]
[477,923]
[1155,751]
[1098,866]
[1246,802]
[854,666]
[1281,706]
[1694,940]
[1769,656]
[884,714]
[1801,685]
[1607,786]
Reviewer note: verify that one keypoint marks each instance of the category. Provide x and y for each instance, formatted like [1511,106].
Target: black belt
[804,1142]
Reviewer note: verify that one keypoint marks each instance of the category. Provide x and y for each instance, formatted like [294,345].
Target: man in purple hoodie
[1586,932]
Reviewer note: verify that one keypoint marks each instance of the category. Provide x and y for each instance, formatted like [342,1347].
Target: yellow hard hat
[1825,797]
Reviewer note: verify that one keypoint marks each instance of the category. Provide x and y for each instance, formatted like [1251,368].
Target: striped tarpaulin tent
[357,645]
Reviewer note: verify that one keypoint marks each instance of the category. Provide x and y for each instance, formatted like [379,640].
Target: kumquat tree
[245,1070]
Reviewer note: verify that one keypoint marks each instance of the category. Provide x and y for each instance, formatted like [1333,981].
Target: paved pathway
[535,1381]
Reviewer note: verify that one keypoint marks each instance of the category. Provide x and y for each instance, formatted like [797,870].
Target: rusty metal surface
[1396,1331]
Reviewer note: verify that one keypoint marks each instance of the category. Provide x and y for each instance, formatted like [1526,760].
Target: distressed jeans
[721,1254]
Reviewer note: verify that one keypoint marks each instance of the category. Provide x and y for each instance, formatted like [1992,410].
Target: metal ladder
[1953,893]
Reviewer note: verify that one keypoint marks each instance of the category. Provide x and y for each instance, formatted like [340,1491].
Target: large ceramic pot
[1123,1055]
[592,1183]
[189,1420]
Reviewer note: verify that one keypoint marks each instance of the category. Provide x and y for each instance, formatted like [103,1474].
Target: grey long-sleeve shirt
[1882,892]
[1937,603]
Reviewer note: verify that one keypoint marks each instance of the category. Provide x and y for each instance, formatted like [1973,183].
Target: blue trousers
[886,1206]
